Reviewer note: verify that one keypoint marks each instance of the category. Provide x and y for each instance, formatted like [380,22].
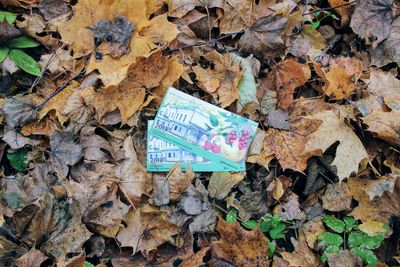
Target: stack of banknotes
[193,132]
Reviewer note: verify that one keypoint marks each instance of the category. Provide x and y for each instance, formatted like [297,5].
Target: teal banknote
[204,130]
[162,155]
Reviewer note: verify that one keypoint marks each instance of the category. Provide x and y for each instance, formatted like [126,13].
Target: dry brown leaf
[221,183]
[372,228]
[179,181]
[337,197]
[134,179]
[302,256]
[290,210]
[112,71]
[240,247]
[312,229]
[380,209]
[285,77]
[19,3]
[222,80]
[196,259]
[349,153]
[343,8]
[147,228]
[344,258]
[386,85]
[371,20]
[31,259]
[338,83]
[386,125]
[309,42]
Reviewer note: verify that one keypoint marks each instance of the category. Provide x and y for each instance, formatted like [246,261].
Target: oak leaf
[240,247]
[349,153]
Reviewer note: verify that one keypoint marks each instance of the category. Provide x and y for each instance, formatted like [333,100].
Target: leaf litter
[321,79]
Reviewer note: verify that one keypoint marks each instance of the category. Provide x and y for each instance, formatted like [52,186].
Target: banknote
[162,155]
[205,130]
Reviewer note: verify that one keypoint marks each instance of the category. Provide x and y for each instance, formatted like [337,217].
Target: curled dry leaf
[179,181]
[302,256]
[349,153]
[240,247]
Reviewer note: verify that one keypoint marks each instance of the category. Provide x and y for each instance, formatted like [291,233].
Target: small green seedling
[18,159]
[12,48]
[326,14]
[359,243]
[271,225]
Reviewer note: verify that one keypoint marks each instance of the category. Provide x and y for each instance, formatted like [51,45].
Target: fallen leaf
[52,8]
[179,8]
[309,42]
[222,80]
[179,181]
[279,119]
[371,20]
[385,85]
[338,83]
[349,153]
[160,190]
[337,197]
[386,125]
[204,222]
[16,140]
[147,228]
[196,259]
[18,111]
[312,230]
[31,259]
[388,51]
[372,228]
[376,188]
[343,8]
[284,78]
[240,247]
[221,183]
[302,256]
[64,151]
[290,210]
[344,258]
[134,179]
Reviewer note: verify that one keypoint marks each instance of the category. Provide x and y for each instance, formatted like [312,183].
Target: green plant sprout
[271,225]
[359,243]
[12,48]
[326,14]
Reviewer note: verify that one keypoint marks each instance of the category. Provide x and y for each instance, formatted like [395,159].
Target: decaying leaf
[147,228]
[344,258]
[179,181]
[388,51]
[285,77]
[31,259]
[291,209]
[302,255]
[18,111]
[239,246]
[349,153]
[336,197]
[221,183]
[386,125]
[64,151]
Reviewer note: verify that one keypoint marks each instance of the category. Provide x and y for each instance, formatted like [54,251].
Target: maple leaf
[385,85]
[285,77]
[147,228]
[77,32]
[240,247]
[223,80]
[371,20]
[349,153]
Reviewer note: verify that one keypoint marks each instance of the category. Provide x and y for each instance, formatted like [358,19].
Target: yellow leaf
[371,227]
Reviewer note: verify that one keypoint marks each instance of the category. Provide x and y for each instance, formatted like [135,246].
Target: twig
[170,51]
[59,89]
[330,8]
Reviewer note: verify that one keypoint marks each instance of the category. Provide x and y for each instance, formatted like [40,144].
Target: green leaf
[335,224]
[88,264]
[329,250]
[25,62]
[350,223]
[276,232]
[366,255]
[272,248]
[317,13]
[315,24]
[213,120]
[373,242]
[231,216]
[331,239]
[10,17]
[3,53]
[18,159]
[22,42]
[355,239]
[250,224]
[264,226]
